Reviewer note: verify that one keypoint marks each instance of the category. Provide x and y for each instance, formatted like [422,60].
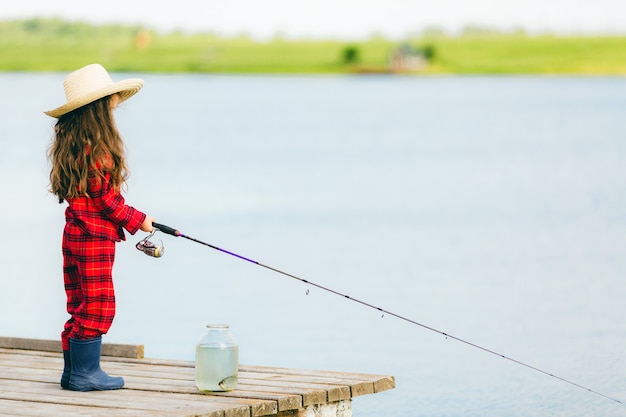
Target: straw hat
[91,83]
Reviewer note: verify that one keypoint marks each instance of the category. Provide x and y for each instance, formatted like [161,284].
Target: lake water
[490,208]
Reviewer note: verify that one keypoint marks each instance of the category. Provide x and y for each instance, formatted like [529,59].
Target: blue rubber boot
[86,374]
[67,369]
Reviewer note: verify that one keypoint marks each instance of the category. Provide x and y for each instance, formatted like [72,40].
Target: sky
[337,18]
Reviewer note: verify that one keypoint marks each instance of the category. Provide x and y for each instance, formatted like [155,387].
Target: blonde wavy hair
[86,143]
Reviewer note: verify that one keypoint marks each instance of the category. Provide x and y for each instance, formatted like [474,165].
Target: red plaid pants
[87,274]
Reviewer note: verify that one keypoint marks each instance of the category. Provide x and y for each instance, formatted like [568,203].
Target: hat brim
[125,88]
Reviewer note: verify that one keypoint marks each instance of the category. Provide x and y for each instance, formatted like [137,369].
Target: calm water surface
[490,208]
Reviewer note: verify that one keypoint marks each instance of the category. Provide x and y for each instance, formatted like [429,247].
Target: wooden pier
[30,371]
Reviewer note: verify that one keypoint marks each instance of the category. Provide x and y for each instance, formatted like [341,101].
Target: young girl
[88,171]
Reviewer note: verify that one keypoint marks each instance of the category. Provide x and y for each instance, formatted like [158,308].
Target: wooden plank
[117,350]
[384,384]
[45,393]
[336,390]
[29,409]
[360,384]
[284,401]
[330,374]
[311,393]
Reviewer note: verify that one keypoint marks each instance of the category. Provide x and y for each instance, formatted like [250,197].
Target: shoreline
[43,45]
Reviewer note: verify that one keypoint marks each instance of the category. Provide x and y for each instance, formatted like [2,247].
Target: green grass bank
[57,45]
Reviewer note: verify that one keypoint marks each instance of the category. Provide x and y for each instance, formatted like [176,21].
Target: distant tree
[428,51]
[351,55]
[32,25]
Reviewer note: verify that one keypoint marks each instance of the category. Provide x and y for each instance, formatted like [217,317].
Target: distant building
[407,58]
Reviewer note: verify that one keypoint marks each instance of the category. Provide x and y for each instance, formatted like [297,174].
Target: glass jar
[217,359]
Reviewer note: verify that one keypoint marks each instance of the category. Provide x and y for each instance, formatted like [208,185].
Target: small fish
[228,383]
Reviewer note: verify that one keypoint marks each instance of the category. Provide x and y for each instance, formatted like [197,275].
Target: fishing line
[171,231]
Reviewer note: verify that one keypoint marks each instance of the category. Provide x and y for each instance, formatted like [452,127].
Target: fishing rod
[157,250]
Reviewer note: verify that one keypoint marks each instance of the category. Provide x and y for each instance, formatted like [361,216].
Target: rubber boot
[67,368]
[86,374]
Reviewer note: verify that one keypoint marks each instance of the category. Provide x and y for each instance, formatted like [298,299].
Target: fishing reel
[150,248]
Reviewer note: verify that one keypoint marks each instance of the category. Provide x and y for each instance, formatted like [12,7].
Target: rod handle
[166,229]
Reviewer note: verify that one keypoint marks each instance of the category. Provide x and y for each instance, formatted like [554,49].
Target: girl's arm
[112,204]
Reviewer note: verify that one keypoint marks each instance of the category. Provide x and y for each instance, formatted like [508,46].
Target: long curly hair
[86,143]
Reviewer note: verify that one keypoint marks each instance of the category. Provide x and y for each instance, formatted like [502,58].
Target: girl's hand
[146,226]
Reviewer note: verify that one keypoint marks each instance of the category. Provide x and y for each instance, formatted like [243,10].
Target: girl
[88,171]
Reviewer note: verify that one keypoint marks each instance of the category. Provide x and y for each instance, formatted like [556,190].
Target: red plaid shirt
[104,212]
